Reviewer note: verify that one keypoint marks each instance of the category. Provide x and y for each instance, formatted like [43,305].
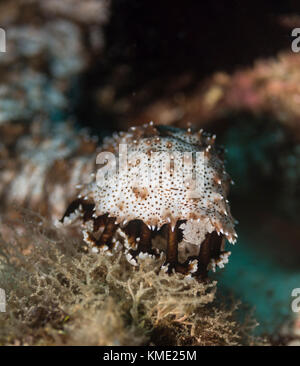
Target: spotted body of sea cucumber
[161,189]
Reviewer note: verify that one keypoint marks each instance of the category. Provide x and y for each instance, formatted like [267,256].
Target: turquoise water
[264,266]
[260,282]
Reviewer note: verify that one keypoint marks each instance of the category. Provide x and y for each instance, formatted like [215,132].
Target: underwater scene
[149,173]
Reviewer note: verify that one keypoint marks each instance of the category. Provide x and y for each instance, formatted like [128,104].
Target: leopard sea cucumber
[164,190]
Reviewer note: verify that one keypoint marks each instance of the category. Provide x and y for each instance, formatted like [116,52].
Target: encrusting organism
[161,191]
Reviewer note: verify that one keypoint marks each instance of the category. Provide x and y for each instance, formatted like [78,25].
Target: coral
[88,17]
[58,294]
[38,86]
[161,188]
[30,95]
[90,12]
[269,87]
[49,46]
[58,41]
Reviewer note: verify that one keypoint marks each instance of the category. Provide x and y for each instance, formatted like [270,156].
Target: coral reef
[159,187]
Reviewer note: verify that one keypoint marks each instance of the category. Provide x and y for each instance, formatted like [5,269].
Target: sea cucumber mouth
[140,240]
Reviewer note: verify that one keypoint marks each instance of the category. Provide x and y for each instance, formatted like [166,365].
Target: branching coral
[161,190]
